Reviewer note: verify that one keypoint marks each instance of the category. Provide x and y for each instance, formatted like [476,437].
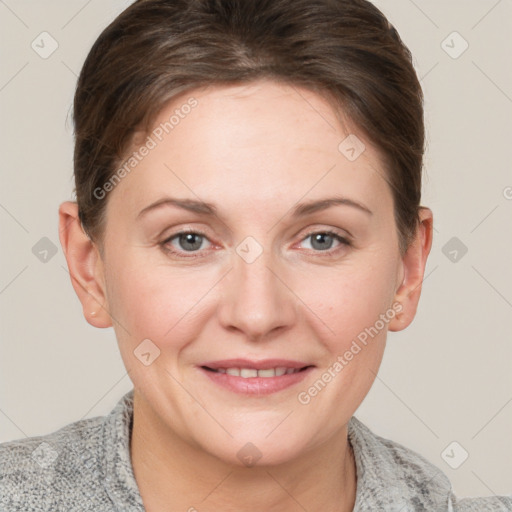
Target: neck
[172,474]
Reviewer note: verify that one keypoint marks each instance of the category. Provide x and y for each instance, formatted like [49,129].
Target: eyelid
[165,244]
[342,234]
[184,231]
[345,239]
[334,231]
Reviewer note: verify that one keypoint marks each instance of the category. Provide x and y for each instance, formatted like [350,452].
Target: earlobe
[413,269]
[85,266]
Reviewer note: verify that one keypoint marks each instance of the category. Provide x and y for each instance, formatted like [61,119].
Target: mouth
[256,377]
[251,373]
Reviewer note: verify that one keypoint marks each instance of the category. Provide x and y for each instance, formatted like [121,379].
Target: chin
[251,449]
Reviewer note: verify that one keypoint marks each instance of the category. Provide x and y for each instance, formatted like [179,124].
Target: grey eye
[190,241]
[321,241]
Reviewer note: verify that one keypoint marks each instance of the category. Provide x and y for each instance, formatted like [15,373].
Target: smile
[255,378]
[249,373]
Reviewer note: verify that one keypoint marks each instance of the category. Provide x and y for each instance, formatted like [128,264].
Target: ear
[412,270]
[85,266]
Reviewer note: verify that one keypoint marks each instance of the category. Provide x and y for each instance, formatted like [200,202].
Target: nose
[256,300]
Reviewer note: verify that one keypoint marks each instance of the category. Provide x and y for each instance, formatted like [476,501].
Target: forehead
[252,143]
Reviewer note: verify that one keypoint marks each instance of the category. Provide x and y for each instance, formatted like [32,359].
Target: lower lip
[256,385]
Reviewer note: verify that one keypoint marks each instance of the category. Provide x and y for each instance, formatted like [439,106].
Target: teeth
[267,373]
[248,373]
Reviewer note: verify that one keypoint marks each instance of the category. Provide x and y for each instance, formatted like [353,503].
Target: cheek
[355,303]
[170,304]
[349,300]
[156,301]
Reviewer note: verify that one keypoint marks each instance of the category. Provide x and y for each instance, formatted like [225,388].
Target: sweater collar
[389,476]
[392,477]
[120,481]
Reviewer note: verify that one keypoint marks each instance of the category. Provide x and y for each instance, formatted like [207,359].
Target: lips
[264,364]
[249,373]
[256,377]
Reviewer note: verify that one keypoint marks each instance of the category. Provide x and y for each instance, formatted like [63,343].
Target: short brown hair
[345,50]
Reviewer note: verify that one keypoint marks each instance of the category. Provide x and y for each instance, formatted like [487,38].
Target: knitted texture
[86,466]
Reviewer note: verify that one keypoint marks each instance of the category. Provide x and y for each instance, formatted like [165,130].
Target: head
[286,138]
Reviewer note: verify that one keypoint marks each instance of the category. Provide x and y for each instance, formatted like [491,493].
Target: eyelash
[345,242]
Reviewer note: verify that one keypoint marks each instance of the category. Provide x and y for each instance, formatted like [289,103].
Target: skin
[254,151]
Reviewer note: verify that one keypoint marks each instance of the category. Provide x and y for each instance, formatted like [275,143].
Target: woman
[219,145]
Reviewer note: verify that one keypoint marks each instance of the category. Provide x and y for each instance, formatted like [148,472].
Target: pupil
[320,237]
[188,238]
[319,241]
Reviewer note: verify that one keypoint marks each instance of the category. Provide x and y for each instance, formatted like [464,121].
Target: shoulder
[487,504]
[58,471]
[394,477]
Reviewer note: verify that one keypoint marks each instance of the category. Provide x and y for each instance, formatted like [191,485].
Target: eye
[185,241]
[322,241]
[193,242]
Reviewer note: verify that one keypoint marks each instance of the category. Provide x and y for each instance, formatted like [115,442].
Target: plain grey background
[445,385]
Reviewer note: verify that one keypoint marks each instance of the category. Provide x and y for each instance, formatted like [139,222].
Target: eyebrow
[301,210]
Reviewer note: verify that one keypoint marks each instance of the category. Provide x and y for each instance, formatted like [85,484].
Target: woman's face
[258,281]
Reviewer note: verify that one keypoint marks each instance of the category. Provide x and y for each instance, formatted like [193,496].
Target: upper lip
[263,364]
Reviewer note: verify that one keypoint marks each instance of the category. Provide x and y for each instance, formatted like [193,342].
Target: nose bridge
[256,302]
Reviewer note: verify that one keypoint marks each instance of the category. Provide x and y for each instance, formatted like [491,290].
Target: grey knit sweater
[86,466]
